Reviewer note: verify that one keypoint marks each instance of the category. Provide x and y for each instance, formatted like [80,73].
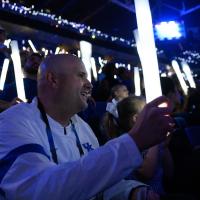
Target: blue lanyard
[49,132]
[50,136]
[51,142]
[78,143]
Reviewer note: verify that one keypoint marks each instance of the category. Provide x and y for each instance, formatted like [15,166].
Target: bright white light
[147,51]
[79,53]
[188,74]
[4,73]
[138,43]
[129,67]
[163,74]
[7,42]
[18,70]
[137,81]
[46,52]
[32,46]
[100,70]
[177,70]
[101,61]
[57,50]
[94,70]
[168,30]
[86,53]
[62,51]
[117,65]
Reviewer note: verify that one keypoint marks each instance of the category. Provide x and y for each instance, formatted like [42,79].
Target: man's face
[32,64]
[74,87]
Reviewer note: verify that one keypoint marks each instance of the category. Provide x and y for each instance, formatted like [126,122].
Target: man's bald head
[60,63]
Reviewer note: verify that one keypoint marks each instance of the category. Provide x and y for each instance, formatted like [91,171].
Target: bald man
[48,152]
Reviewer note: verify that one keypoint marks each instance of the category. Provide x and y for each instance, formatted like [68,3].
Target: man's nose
[88,84]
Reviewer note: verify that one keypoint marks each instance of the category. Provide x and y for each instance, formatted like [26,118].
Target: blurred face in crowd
[122,93]
[32,64]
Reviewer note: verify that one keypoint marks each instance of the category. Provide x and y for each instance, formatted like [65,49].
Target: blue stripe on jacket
[7,161]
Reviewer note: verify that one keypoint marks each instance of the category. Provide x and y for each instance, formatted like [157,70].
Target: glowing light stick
[94,70]
[32,46]
[46,52]
[147,50]
[79,53]
[86,52]
[57,50]
[7,42]
[188,74]
[129,67]
[18,70]
[177,70]
[137,81]
[5,66]
[4,73]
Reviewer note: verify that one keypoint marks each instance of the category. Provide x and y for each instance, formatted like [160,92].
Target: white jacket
[28,174]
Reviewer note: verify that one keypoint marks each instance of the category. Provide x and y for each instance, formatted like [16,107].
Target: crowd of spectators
[170,167]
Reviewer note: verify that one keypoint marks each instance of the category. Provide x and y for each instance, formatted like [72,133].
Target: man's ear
[52,79]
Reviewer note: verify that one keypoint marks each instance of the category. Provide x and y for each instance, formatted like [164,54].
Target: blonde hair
[113,127]
[127,108]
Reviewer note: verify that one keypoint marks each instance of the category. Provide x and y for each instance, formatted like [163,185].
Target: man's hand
[153,124]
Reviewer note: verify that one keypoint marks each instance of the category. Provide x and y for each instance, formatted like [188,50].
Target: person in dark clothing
[103,88]
[30,69]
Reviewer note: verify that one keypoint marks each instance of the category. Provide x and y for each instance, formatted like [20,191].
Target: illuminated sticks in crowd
[4,73]
[94,69]
[188,73]
[18,70]
[79,53]
[86,53]
[7,42]
[5,66]
[46,51]
[147,50]
[177,70]
[32,46]
[137,81]
[57,50]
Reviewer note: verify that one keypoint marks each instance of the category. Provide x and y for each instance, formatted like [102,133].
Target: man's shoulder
[21,110]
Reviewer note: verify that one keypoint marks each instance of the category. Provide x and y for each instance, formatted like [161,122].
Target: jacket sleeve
[33,176]
[30,174]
